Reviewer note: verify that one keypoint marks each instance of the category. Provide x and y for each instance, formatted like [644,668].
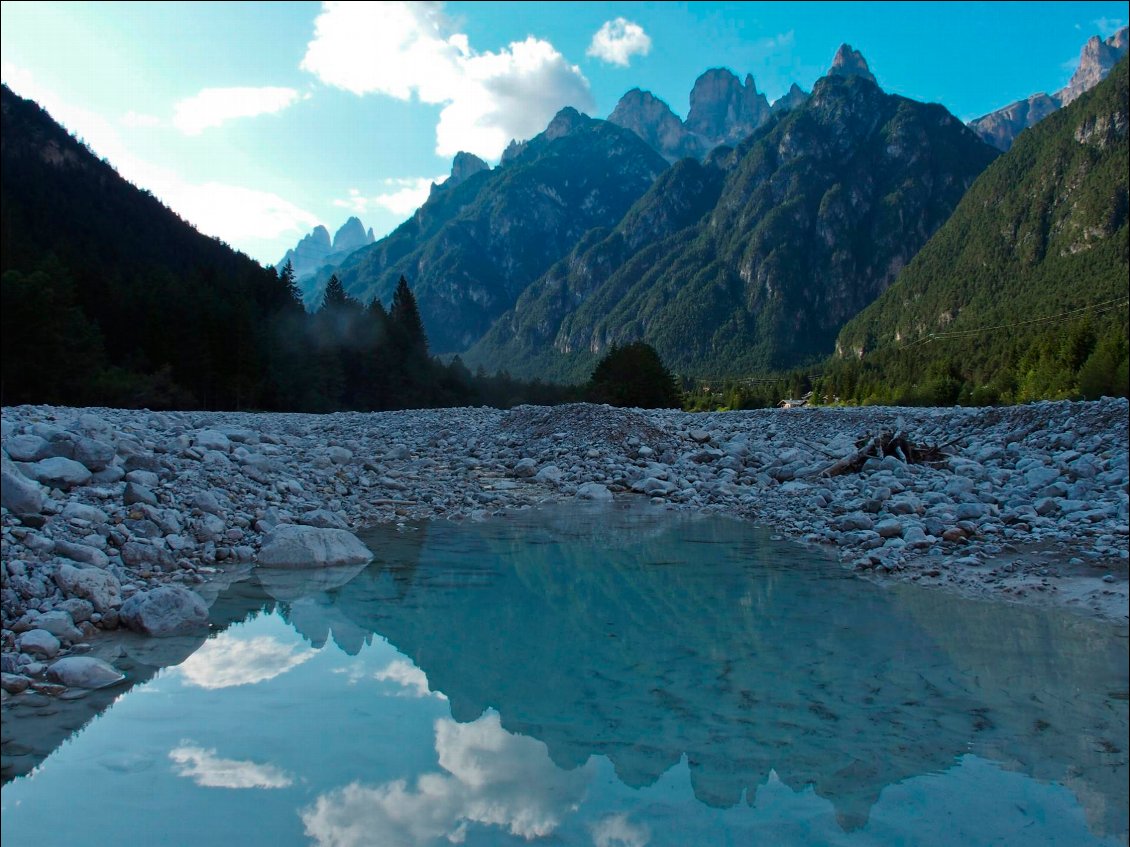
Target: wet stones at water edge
[183,498]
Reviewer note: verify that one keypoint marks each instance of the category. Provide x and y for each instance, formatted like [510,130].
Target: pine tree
[404,315]
[287,278]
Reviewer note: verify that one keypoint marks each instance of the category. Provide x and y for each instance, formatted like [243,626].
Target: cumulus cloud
[617,41]
[406,49]
[412,681]
[208,770]
[402,196]
[491,778]
[215,106]
[226,661]
[618,831]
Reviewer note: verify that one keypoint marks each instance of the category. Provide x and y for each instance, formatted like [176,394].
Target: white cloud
[405,49]
[215,106]
[412,681]
[208,770]
[492,778]
[226,660]
[137,120]
[618,40]
[782,41]
[402,197]
[618,831]
[230,212]
[1109,26]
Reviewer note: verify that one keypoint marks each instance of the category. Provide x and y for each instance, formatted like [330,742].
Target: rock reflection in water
[657,636]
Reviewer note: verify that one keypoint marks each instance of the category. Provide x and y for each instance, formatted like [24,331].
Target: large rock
[100,587]
[18,494]
[59,472]
[94,454]
[164,611]
[84,672]
[38,643]
[294,546]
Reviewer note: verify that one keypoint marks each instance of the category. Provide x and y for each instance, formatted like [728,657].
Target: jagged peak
[564,122]
[464,166]
[850,62]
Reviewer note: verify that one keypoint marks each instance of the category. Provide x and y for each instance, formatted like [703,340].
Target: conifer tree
[404,315]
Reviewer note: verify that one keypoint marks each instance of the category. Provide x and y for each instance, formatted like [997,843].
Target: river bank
[1029,504]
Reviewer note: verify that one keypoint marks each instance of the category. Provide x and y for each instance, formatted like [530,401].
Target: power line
[965,333]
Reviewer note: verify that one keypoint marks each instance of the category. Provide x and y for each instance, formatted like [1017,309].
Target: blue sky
[256,121]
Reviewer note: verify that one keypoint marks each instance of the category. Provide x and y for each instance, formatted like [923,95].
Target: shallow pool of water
[599,676]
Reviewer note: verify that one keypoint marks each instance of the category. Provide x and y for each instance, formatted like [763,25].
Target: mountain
[471,249]
[1001,127]
[723,111]
[109,297]
[1036,244]
[756,257]
[316,250]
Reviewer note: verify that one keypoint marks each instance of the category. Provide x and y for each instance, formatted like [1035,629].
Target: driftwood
[889,443]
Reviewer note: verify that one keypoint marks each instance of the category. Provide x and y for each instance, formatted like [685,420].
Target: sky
[258,121]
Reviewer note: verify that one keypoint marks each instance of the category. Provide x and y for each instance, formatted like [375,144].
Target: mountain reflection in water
[532,650]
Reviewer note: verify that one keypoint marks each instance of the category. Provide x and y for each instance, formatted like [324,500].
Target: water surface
[610,677]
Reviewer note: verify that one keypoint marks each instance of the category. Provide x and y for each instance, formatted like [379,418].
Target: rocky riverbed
[131,519]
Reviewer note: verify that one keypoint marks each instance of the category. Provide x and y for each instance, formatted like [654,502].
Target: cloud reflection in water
[492,778]
[228,660]
[208,770]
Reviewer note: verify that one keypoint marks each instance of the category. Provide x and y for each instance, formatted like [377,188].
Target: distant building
[795,404]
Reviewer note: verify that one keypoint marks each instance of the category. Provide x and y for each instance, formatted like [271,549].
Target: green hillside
[1024,285]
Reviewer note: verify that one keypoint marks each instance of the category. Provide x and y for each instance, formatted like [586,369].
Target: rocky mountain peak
[850,62]
[723,109]
[794,97]
[464,166]
[563,123]
[350,237]
[652,120]
[1095,62]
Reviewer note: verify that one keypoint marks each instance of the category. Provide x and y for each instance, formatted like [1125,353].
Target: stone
[525,468]
[18,494]
[58,472]
[27,448]
[135,554]
[971,511]
[890,528]
[59,624]
[854,521]
[83,512]
[295,546]
[593,491]
[323,518]
[14,683]
[339,455]
[165,611]
[551,474]
[95,455]
[38,643]
[81,553]
[100,587]
[137,493]
[84,672]
[206,501]
[210,439]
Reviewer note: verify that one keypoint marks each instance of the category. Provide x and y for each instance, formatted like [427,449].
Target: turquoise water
[608,677]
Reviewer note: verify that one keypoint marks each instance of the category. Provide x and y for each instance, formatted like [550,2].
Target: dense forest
[1022,294]
[109,298]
